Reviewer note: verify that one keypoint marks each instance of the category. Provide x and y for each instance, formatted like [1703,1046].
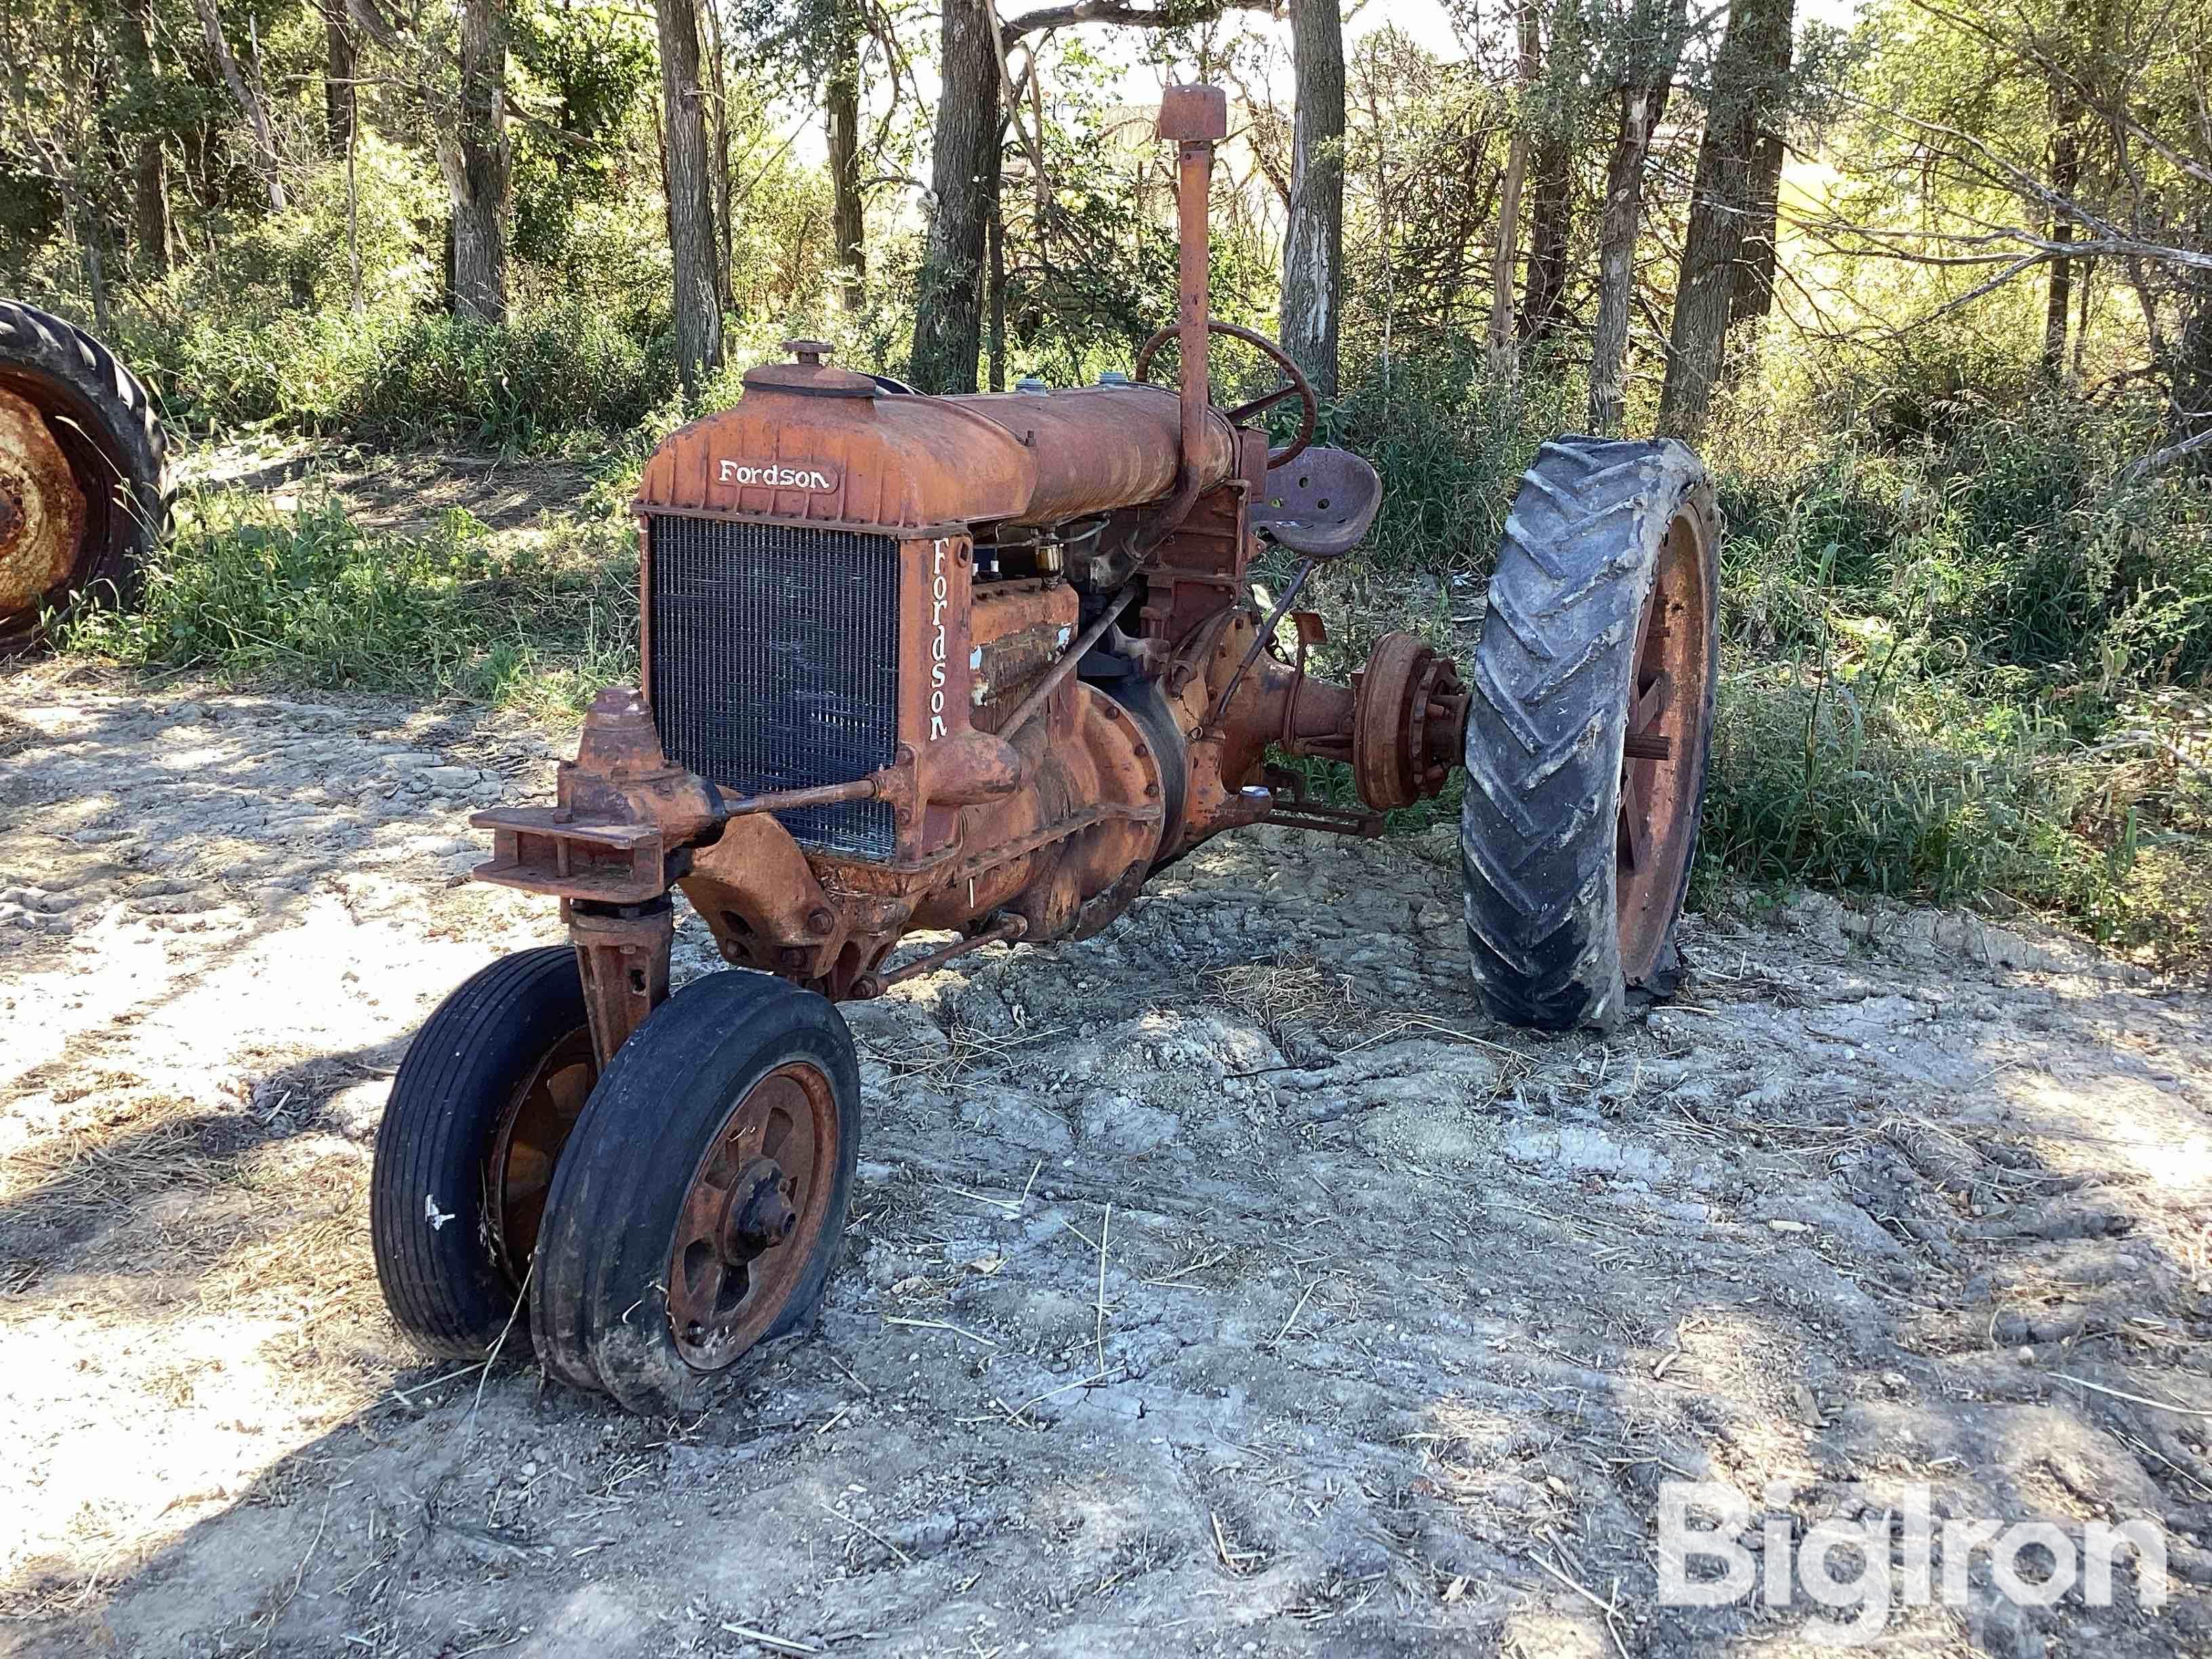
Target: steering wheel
[1295,384]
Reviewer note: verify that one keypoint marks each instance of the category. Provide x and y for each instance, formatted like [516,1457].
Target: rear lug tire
[1577,844]
[65,398]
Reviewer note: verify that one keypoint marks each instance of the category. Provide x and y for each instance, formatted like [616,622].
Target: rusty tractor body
[978,666]
[973,663]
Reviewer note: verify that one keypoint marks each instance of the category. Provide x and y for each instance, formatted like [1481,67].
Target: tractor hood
[814,443]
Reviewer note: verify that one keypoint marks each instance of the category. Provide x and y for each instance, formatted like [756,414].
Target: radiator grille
[775,665]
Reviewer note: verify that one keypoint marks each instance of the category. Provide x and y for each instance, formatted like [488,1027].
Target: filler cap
[809,376]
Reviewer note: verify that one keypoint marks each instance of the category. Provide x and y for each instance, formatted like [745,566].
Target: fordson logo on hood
[775,475]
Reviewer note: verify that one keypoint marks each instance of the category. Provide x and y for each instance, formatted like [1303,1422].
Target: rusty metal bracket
[1006,930]
[1059,671]
[548,849]
[1260,639]
[1337,820]
[1311,632]
[621,953]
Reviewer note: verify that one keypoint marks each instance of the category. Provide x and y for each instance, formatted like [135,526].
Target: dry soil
[1227,1285]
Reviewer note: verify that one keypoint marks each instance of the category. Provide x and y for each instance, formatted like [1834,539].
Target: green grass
[247,591]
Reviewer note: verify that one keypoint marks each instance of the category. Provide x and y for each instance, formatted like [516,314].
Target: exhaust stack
[1196,118]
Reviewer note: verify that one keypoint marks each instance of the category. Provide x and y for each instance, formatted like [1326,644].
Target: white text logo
[775,475]
[937,592]
[1873,1550]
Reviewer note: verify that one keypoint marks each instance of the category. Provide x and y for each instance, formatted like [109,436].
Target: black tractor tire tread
[1537,838]
[39,346]
[444,1285]
[599,1306]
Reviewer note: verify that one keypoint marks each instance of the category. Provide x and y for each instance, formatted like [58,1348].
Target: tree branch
[2136,471]
[1168,14]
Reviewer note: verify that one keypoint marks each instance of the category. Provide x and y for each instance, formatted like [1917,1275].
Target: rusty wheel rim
[1664,753]
[42,510]
[752,1215]
[535,1127]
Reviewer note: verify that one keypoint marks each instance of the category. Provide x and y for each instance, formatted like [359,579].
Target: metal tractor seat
[1321,504]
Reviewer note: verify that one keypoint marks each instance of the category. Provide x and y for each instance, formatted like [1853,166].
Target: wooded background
[1930,287]
[1594,184]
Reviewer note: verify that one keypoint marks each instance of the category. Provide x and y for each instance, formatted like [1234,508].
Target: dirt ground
[1227,1285]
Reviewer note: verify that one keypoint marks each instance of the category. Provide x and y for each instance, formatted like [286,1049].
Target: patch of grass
[307,597]
[1908,790]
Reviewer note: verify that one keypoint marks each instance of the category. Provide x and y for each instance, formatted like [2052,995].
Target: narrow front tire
[472,1134]
[700,1205]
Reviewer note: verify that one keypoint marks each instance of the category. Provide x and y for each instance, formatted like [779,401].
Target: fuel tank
[812,443]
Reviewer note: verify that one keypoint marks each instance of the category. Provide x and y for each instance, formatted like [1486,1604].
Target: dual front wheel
[647,1226]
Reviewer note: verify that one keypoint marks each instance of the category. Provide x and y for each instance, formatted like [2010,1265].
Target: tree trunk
[1312,240]
[1643,103]
[80,224]
[1616,259]
[2188,410]
[720,181]
[996,272]
[964,161]
[841,97]
[1744,94]
[1551,230]
[341,64]
[150,206]
[1753,296]
[2082,291]
[477,163]
[248,100]
[691,239]
[1504,332]
[353,222]
[149,167]
[2065,176]
[1753,293]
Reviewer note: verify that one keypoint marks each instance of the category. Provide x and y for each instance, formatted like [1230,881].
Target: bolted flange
[1409,727]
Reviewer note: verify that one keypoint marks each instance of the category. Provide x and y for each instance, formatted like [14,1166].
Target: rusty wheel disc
[754,1211]
[533,1130]
[1410,726]
[42,511]
[1663,756]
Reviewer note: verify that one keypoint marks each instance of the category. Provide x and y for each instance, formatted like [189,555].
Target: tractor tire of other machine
[84,486]
[1588,743]
[484,1101]
[704,1198]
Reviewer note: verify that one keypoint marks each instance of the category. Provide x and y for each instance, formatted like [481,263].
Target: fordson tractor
[975,667]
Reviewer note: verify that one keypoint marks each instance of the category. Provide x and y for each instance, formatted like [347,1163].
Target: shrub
[567,367]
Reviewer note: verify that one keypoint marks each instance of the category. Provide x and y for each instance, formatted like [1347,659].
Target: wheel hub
[1410,726]
[759,1217]
[42,511]
[535,1128]
[754,1207]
